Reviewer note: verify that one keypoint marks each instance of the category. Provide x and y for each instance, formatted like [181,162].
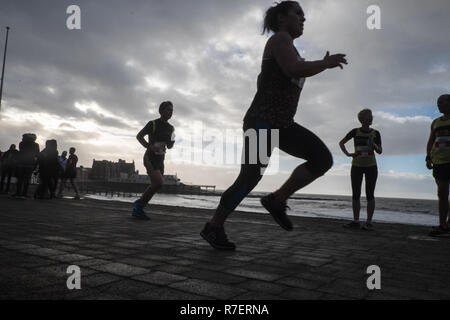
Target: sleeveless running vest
[365,157]
[440,152]
[277,95]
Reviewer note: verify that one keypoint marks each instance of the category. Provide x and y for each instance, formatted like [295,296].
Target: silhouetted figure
[366,142]
[62,160]
[274,106]
[26,163]
[48,170]
[70,173]
[9,159]
[438,159]
[160,137]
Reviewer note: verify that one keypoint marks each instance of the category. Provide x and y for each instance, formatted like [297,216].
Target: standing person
[8,162]
[62,160]
[48,169]
[70,173]
[160,137]
[366,141]
[438,159]
[279,84]
[26,163]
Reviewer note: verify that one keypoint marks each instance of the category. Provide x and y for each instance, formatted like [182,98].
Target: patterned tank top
[440,152]
[277,95]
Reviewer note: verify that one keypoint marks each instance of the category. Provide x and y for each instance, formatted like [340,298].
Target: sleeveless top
[277,95]
[440,152]
[365,157]
[159,132]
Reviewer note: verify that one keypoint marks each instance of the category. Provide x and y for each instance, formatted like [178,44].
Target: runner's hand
[429,164]
[335,60]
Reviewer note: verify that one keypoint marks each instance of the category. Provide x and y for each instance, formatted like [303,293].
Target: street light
[3,68]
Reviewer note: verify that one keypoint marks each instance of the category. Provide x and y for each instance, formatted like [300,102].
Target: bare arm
[378,149]
[286,57]
[172,141]
[141,138]
[344,150]
[377,146]
[429,147]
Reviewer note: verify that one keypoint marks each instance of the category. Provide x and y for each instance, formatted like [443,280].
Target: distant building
[121,171]
[110,171]
[83,174]
[168,179]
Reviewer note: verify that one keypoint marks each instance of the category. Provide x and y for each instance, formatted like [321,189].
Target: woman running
[160,136]
[366,140]
[279,84]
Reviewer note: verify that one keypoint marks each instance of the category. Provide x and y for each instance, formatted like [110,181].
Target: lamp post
[3,68]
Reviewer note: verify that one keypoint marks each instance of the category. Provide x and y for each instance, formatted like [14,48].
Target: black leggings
[294,140]
[7,173]
[371,180]
[24,174]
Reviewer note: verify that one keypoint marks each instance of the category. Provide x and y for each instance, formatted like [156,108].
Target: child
[438,159]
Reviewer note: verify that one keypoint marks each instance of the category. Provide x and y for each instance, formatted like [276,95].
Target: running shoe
[352,225]
[367,227]
[138,211]
[216,237]
[437,231]
[278,211]
[77,197]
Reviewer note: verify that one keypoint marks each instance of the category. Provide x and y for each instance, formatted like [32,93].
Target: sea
[388,210]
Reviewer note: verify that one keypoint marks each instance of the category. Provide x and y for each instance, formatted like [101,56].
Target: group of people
[283,74]
[50,167]
[279,84]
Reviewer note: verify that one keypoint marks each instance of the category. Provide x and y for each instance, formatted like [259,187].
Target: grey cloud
[187,44]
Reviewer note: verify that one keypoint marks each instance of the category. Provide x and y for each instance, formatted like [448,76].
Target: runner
[366,141]
[160,137]
[438,159]
[279,84]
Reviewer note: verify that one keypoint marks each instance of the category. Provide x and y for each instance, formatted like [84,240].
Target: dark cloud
[205,56]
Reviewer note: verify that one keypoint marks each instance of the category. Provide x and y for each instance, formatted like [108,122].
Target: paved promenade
[165,258]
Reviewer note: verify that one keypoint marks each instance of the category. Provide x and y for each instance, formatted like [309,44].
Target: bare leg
[157,181]
[443,192]
[62,184]
[300,178]
[74,186]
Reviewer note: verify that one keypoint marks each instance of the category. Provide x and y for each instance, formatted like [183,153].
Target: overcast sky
[95,88]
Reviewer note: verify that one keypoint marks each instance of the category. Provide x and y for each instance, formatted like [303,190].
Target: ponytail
[271,16]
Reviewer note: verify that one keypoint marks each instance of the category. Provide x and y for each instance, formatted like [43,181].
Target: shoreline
[305,214]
